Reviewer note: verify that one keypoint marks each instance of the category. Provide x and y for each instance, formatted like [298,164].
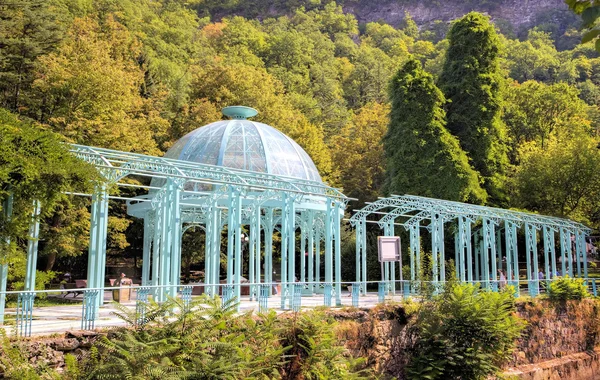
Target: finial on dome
[239,112]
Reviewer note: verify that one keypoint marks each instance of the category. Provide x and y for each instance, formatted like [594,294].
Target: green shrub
[208,339]
[464,333]
[567,288]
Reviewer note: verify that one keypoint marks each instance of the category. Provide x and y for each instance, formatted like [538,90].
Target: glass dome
[245,144]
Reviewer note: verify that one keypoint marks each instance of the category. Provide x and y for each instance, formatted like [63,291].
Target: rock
[80,334]
[66,344]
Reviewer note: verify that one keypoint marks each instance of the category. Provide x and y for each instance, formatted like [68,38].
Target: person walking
[502,279]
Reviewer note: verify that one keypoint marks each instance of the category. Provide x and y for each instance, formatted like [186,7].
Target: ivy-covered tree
[471,81]
[423,158]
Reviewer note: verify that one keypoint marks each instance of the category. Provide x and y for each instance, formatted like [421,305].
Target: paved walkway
[57,319]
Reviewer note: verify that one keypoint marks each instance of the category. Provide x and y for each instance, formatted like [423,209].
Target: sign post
[389,251]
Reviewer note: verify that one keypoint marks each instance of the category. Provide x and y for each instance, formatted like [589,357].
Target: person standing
[502,279]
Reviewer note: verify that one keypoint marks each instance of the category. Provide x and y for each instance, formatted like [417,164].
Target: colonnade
[485,241]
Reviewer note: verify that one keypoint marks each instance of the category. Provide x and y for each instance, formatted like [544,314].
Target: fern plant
[567,288]
[464,333]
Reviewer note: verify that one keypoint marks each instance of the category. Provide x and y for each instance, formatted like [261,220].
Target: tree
[562,179]
[590,13]
[471,81]
[535,58]
[89,90]
[409,26]
[35,165]
[538,112]
[423,158]
[28,29]
[358,153]
[369,78]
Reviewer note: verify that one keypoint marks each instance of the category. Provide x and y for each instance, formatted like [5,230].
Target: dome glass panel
[247,145]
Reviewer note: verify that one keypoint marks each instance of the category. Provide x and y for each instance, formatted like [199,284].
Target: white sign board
[389,248]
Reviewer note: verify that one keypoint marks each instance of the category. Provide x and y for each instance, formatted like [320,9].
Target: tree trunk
[51,261]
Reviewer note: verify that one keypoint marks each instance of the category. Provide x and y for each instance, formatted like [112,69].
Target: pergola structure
[485,240]
[258,178]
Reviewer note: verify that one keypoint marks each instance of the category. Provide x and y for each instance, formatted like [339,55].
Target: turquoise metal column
[257,262]
[303,238]
[318,259]
[291,246]
[531,249]
[7,208]
[389,273]
[415,251]
[234,242]
[584,254]
[251,252]
[329,243]
[512,253]
[499,246]
[156,244]
[208,250]
[216,250]
[358,250]
[456,254]
[268,228]
[489,254]
[165,242]
[338,252]
[311,251]
[285,230]
[565,252]
[363,224]
[148,232]
[437,247]
[549,252]
[581,249]
[175,240]
[254,251]
[32,247]
[464,249]
[477,242]
[97,246]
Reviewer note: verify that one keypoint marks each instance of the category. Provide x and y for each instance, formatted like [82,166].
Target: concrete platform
[58,319]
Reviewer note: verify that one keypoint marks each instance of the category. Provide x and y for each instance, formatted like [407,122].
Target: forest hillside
[137,75]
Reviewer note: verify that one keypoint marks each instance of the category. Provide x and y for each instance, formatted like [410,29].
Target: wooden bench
[78,284]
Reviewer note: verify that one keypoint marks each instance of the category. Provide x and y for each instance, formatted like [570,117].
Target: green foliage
[28,30]
[207,339]
[423,158]
[15,365]
[590,14]
[34,165]
[464,333]
[137,75]
[546,182]
[567,288]
[471,80]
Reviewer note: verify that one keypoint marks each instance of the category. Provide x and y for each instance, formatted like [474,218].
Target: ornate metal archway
[478,243]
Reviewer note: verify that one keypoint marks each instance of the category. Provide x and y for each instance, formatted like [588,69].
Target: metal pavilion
[485,240]
[221,177]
